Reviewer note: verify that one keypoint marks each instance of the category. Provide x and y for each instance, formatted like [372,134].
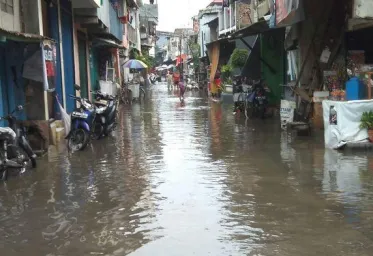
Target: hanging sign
[49,57]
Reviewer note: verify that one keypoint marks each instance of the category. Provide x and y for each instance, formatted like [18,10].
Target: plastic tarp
[342,122]
[66,119]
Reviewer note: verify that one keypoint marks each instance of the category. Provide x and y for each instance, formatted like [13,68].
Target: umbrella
[135,64]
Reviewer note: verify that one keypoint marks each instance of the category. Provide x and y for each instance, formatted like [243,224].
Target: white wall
[9,21]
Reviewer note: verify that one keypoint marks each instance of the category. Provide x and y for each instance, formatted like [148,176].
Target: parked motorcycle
[106,114]
[257,100]
[15,150]
[82,119]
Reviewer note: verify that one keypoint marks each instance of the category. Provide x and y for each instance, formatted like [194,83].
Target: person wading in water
[182,88]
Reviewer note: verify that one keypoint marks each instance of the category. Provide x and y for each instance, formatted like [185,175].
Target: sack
[66,119]
[287,112]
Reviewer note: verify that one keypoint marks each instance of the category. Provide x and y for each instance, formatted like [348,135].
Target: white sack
[346,130]
[287,112]
[65,118]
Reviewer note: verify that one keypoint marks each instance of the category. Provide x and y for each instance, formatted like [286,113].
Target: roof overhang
[215,20]
[254,29]
[103,42]
[21,37]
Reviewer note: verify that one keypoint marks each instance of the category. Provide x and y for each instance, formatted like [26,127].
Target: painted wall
[272,50]
[204,31]
[116,27]
[11,21]
[3,86]
[31,11]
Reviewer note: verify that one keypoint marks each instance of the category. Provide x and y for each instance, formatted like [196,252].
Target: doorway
[3,86]
[82,49]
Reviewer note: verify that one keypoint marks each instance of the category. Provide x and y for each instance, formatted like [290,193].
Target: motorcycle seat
[7,133]
[101,102]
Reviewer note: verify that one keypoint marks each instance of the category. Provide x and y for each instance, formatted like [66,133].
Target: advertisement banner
[49,57]
[289,12]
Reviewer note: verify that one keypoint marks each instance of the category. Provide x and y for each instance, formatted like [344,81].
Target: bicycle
[125,94]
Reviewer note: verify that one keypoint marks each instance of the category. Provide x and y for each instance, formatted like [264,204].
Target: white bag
[66,119]
[287,112]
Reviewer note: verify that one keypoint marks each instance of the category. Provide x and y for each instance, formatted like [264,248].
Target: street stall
[134,85]
[347,113]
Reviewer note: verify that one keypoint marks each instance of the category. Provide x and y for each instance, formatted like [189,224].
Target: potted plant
[367,123]
[226,72]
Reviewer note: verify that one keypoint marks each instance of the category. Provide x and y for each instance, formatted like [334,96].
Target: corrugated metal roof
[18,36]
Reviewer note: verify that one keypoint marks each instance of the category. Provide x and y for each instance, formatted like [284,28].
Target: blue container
[355,89]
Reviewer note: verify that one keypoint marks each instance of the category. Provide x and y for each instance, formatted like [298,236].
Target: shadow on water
[191,179]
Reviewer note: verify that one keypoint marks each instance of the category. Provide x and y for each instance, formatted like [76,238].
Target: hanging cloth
[214,53]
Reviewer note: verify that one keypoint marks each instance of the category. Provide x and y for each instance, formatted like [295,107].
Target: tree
[194,49]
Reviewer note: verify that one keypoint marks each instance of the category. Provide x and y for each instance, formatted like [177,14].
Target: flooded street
[191,180]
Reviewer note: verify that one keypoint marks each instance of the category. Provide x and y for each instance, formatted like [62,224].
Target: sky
[178,13]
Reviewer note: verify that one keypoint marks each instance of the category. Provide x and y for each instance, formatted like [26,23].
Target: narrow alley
[191,179]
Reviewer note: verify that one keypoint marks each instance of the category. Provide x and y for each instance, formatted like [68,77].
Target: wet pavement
[191,180]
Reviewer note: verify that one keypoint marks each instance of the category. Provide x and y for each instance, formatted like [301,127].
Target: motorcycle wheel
[20,156]
[3,174]
[3,169]
[249,110]
[78,140]
[98,131]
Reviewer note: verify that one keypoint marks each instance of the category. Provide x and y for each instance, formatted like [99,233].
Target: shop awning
[103,42]
[21,37]
[216,20]
[251,68]
[254,29]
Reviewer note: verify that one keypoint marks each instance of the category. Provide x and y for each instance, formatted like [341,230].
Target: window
[7,6]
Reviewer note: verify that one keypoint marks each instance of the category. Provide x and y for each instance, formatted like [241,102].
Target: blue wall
[54,33]
[67,51]
[12,92]
[116,27]
[3,91]
[16,90]
[68,58]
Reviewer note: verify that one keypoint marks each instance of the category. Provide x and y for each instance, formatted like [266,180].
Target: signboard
[245,14]
[289,12]
[49,57]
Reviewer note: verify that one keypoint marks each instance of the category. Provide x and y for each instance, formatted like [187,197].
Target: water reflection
[191,180]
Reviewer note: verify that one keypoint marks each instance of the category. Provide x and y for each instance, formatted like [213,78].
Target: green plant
[194,49]
[148,60]
[239,57]
[226,71]
[367,120]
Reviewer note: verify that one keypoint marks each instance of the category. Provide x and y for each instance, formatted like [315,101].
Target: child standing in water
[182,88]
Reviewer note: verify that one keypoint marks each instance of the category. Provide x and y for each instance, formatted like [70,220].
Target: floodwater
[191,180]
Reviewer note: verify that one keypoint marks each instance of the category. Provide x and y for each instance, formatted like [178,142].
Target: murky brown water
[192,180]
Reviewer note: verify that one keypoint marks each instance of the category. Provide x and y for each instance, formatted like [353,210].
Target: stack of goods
[355,59]
[332,83]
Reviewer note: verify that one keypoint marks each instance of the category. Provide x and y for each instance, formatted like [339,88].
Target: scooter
[82,120]
[258,99]
[106,118]
[15,150]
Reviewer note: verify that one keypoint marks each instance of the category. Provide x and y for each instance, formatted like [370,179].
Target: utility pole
[180,49]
